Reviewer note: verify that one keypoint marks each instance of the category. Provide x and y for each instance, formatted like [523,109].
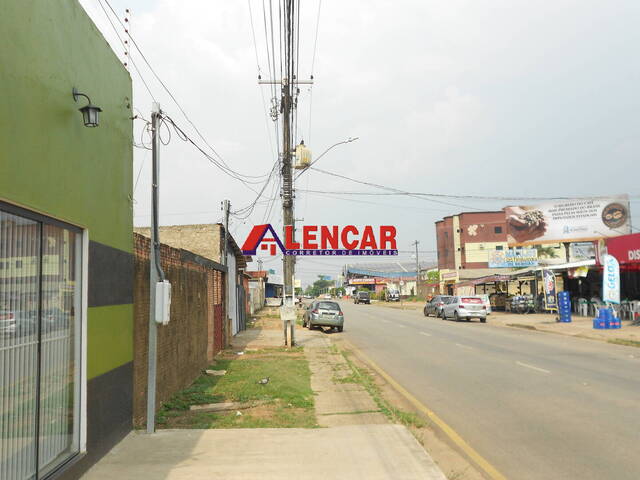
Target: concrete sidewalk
[360,443]
[578,327]
[349,452]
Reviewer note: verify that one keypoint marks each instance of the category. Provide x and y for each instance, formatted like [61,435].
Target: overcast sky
[510,98]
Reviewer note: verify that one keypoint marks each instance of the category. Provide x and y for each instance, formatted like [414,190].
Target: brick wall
[194,334]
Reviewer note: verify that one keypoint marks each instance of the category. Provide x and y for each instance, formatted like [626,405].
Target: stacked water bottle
[606,319]
[564,307]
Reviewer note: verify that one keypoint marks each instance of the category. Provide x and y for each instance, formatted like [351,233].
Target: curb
[472,455]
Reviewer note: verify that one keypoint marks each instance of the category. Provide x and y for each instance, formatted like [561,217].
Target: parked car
[467,307]
[392,296]
[487,302]
[322,313]
[362,297]
[434,306]
[8,325]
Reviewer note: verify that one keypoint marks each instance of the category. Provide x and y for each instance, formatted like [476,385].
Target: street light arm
[348,140]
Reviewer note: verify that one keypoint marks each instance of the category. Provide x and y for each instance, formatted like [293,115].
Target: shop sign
[517,258]
[610,279]
[579,251]
[626,249]
[580,219]
[549,281]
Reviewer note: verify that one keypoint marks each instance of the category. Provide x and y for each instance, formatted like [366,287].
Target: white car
[487,302]
[465,307]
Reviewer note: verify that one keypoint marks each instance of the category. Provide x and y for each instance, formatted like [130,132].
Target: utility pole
[417,266]
[287,83]
[155,270]
[226,206]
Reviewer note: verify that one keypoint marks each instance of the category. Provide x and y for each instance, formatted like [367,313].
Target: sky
[500,98]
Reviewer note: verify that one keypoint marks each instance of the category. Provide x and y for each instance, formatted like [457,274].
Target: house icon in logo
[262,237]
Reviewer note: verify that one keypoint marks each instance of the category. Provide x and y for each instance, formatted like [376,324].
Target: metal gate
[40,276]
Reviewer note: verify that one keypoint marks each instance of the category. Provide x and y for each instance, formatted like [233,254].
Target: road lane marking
[526,365]
[464,346]
[425,334]
[401,326]
[489,469]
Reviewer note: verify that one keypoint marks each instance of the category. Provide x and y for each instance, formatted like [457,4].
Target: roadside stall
[626,249]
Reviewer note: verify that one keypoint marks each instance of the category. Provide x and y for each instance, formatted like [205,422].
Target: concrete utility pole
[417,266]
[155,270]
[226,206]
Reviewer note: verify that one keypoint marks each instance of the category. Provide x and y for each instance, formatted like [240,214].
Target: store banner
[520,258]
[626,249]
[575,220]
[549,281]
[610,279]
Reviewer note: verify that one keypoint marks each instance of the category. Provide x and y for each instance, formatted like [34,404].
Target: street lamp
[89,112]
[348,140]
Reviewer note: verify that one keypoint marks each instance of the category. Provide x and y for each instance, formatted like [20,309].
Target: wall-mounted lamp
[89,112]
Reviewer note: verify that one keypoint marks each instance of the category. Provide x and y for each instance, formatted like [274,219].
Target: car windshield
[364,294]
[328,306]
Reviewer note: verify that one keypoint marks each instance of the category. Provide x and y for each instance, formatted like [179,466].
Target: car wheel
[483,320]
[309,326]
[425,312]
[340,329]
[456,317]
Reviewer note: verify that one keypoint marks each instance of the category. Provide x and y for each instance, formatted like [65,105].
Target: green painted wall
[109,334]
[49,161]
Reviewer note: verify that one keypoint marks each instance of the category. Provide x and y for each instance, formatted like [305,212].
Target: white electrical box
[163,302]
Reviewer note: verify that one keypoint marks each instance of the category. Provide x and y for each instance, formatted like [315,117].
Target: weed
[623,341]
[364,378]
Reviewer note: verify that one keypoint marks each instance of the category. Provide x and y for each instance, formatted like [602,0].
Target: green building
[66,313]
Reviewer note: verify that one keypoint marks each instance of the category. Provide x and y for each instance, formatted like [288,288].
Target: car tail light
[484,307]
[440,304]
[315,311]
[340,313]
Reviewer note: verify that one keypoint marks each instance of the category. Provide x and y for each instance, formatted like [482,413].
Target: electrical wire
[175,101]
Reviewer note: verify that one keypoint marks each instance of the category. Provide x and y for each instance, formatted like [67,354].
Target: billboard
[579,219]
[524,257]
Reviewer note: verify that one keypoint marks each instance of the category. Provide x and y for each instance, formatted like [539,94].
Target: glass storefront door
[40,321]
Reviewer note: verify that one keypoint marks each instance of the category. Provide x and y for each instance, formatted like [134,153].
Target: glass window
[39,345]
[497,229]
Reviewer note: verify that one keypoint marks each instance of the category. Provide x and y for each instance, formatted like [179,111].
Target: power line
[175,101]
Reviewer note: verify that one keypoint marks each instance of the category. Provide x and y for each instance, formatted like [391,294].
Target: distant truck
[392,296]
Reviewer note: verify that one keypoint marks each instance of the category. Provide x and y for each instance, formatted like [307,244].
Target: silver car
[434,306]
[465,307]
[323,313]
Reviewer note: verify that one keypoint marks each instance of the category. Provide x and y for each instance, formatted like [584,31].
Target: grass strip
[364,378]
[623,341]
[286,401]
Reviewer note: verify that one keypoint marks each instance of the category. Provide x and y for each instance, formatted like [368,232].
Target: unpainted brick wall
[194,334]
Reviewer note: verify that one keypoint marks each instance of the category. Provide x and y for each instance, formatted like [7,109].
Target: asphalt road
[535,405]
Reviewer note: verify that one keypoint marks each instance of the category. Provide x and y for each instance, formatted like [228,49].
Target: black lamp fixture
[89,111]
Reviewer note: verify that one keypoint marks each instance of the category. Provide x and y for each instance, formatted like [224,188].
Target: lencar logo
[323,240]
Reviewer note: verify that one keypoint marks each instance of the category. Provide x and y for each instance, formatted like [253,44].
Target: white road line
[401,326]
[532,367]
[463,346]
[425,334]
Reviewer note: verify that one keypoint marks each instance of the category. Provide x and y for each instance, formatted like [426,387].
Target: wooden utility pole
[417,266]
